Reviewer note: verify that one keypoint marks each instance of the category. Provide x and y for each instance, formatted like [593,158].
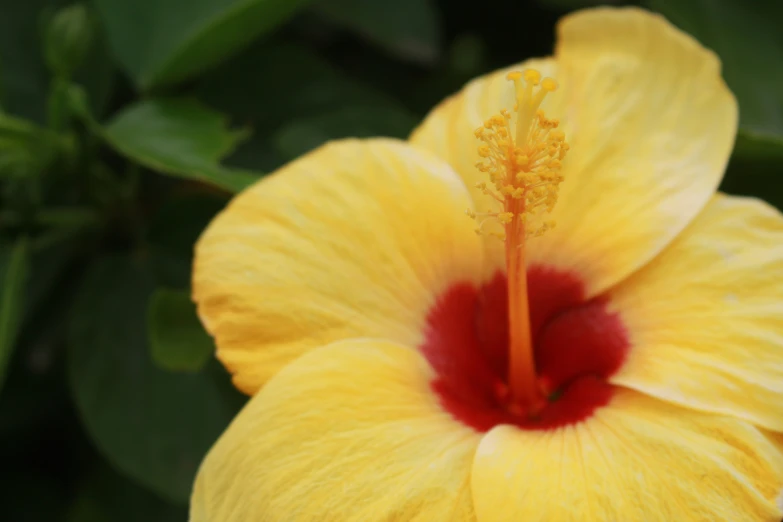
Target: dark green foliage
[13,277]
[152,423]
[177,341]
[125,126]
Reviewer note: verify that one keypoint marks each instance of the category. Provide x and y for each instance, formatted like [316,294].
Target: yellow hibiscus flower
[626,365]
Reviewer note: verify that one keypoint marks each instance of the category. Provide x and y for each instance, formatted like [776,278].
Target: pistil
[524,173]
[521,363]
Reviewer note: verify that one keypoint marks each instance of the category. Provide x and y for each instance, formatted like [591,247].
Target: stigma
[522,155]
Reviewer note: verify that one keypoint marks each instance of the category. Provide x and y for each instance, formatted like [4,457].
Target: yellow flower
[640,376]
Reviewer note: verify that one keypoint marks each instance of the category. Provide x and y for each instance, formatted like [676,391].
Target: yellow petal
[650,123]
[777,440]
[350,432]
[356,239]
[636,460]
[705,318]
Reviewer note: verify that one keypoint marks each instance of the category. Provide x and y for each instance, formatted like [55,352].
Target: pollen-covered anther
[523,158]
[485,218]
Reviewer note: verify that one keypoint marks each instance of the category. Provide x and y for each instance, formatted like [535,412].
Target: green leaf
[13,278]
[181,138]
[305,134]
[160,42]
[176,337]
[25,148]
[750,45]
[152,425]
[408,29]
[271,85]
[302,86]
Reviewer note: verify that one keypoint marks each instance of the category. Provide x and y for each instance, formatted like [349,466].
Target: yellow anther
[549,85]
[522,160]
[533,76]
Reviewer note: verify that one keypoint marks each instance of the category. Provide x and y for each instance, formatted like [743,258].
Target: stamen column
[523,168]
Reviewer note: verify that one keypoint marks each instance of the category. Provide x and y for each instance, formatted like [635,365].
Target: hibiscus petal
[705,318]
[349,432]
[355,239]
[636,460]
[651,125]
[777,440]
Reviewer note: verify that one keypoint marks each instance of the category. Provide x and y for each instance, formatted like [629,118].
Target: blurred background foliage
[125,125]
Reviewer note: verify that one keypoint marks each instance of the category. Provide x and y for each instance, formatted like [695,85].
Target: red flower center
[578,344]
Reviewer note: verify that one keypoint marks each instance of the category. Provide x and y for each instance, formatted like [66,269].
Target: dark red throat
[578,344]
